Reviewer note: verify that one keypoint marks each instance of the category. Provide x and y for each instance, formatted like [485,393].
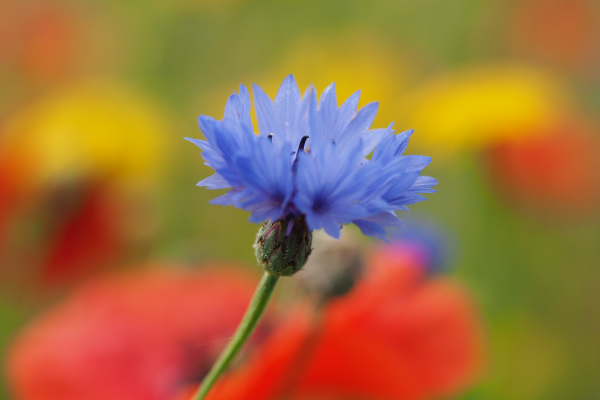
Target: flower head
[398,334]
[138,335]
[554,173]
[310,159]
[471,109]
[69,172]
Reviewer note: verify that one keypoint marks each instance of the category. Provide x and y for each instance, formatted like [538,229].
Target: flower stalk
[256,309]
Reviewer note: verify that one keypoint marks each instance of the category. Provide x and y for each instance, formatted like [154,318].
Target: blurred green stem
[257,307]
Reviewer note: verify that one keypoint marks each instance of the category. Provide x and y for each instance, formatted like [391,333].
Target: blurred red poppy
[397,335]
[11,177]
[137,336]
[42,39]
[564,32]
[556,172]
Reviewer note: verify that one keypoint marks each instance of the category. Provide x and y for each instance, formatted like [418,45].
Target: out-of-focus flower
[334,267]
[90,128]
[424,237]
[397,335]
[131,336]
[563,32]
[475,108]
[556,173]
[309,161]
[39,39]
[77,169]
[355,60]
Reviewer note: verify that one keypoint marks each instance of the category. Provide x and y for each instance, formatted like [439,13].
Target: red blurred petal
[13,170]
[138,336]
[561,31]
[395,336]
[557,171]
[88,239]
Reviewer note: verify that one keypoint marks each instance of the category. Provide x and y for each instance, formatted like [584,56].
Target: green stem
[257,307]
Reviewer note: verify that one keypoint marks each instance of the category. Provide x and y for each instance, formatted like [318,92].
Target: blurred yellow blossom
[474,108]
[354,60]
[78,171]
[94,129]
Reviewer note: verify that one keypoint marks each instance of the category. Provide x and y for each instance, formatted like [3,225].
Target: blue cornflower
[310,160]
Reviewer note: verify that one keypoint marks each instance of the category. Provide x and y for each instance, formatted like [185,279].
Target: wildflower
[554,173]
[130,336]
[472,109]
[43,43]
[354,58]
[309,161]
[334,267]
[307,169]
[399,334]
[426,237]
[560,32]
[74,185]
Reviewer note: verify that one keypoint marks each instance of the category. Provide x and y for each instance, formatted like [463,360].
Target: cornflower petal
[417,163]
[361,122]
[347,111]
[265,112]
[237,109]
[423,184]
[300,127]
[231,198]
[328,108]
[375,225]
[287,104]
[330,193]
[402,141]
[268,189]
[215,181]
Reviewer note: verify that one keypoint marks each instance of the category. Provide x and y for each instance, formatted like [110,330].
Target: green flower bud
[282,249]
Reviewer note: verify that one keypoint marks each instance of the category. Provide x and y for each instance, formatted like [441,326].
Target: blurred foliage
[536,276]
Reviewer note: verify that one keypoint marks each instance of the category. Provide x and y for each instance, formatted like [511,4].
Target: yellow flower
[94,130]
[78,169]
[474,108]
[354,60]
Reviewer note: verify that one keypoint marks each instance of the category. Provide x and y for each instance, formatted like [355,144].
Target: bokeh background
[96,96]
